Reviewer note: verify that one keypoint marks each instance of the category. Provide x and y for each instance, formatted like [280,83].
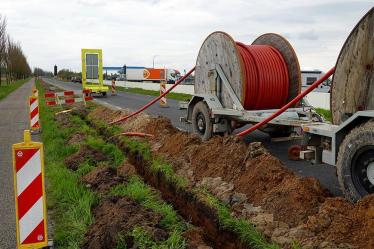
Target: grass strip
[71,201]
[172,95]
[5,90]
[143,194]
[326,114]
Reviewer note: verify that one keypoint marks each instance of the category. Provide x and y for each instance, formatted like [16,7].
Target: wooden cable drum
[353,81]
[220,48]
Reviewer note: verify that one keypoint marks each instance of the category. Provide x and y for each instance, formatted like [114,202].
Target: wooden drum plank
[353,80]
[219,48]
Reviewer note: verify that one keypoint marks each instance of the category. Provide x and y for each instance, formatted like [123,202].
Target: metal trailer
[208,116]
[347,142]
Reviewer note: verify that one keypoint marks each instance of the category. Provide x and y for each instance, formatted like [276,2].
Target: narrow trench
[183,200]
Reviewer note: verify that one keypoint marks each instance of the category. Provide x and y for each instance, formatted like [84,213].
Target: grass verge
[70,201]
[326,114]
[5,90]
[172,95]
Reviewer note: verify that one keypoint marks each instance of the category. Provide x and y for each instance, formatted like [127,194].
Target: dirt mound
[102,179]
[85,153]
[120,215]
[304,209]
[340,221]
[105,114]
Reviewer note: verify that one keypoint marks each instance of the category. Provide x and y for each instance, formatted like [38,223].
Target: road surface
[14,120]
[323,172]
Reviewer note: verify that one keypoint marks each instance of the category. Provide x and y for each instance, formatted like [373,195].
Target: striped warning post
[163,101]
[28,171]
[34,113]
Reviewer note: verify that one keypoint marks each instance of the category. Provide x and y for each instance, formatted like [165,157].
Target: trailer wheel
[355,164]
[201,123]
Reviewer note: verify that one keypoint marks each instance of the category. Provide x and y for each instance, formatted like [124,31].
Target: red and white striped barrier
[113,87]
[28,171]
[34,113]
[68,97]
[163,101]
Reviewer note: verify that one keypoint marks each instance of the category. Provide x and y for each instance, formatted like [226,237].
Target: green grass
[5,90]
[326,114]
[70,200]
[172,95]
[246,231]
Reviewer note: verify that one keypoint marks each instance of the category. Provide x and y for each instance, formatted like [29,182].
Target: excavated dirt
[77,138]
[85,153]
[102,179]
[299,205]
[120,215]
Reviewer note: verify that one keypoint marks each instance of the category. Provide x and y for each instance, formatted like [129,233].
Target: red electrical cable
[265,77]
[289,104]
[155,99]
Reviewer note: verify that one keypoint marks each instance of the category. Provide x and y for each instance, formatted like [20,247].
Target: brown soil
[195,239]
[299,202]
[102,179]
[77,138]
[63,120]
[119,215]
[83,154]
[126,170]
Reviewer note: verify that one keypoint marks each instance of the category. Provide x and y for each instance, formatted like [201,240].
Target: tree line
[13,62]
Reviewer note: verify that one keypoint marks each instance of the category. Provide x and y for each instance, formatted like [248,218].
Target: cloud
[133,31]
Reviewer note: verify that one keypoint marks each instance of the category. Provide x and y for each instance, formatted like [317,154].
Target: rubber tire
[104,94]
[357,138]
[201,107]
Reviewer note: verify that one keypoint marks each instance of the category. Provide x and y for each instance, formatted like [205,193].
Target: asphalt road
[14,120]
[323,172]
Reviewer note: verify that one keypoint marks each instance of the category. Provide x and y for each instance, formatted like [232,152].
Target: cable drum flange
[352,87]
[267,70]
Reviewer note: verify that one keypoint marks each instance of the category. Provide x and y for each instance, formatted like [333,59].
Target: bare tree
[3,38]
[13,61]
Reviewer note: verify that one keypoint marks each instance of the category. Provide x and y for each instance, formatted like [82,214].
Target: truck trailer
[152,74]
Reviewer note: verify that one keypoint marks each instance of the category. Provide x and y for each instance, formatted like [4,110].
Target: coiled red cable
[265,77]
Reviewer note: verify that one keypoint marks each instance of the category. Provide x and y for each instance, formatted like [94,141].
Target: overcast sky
[133,31]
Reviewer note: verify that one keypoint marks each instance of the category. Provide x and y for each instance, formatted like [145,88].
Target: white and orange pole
[34,114]
[163,101]
[113,87]
[29,191]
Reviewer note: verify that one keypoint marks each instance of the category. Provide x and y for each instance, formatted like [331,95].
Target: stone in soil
[102,179]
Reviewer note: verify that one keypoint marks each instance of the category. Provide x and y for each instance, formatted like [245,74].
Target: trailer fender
[195,99]
[354,121]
